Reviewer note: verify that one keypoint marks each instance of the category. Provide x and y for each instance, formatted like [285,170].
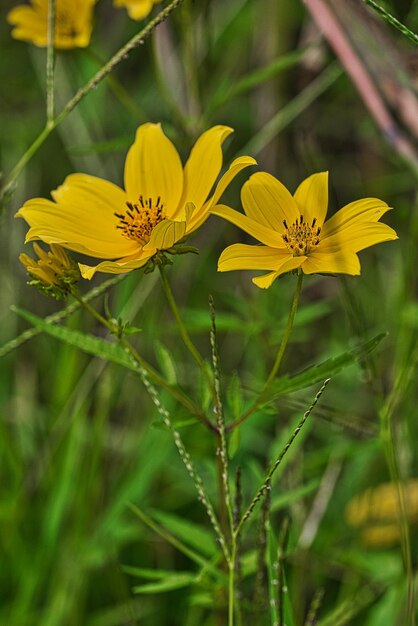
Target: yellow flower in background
[162,203]
[376,513]
[73,23]
[137,9]
[53,272]
[293,230]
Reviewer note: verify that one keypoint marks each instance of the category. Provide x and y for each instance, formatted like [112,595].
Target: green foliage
[101,523]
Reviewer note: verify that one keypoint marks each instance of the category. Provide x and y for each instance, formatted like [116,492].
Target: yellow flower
[162,203]
[73,23]
[53,272]
[376,512]
[137,9]
[293,231]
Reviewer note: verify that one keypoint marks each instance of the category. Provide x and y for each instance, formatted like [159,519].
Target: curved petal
[114,267]
[288,265]
[267,201]
[241,256]
[357,237]
[76,228]
[29,25]
[203,165]
[95,200]
[153,168]
[165,235]
[137,9]
[312,197]
[253,228]
[200,215]
[364,210]
[343,262]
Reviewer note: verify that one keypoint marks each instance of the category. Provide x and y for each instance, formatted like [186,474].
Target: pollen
[140,219]
[300,236]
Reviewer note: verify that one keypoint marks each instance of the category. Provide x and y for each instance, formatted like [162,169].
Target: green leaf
[177,581]
[285,499]
[234,396]
[326,369]
[166,362]
[189,532]
[92,345]
[152,574]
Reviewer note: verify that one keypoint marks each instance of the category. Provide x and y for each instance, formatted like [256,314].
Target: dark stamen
[313,222]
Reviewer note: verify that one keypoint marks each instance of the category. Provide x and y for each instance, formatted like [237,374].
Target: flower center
[300,236]
[139,220]
[64,22]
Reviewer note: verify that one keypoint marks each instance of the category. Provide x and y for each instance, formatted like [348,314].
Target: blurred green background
[79,437]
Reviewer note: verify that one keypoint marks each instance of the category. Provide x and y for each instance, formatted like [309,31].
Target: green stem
[231,583]
[279,357]
[122,54]
[142,363]
[182,329]
[392,20]
[387,438]
[50,62]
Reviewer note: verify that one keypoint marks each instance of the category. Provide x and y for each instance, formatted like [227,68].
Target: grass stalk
[222,454]
[71,308]
[185,457]
[390,19]
[50,64]
[182,328]
[267,481]
[142,365]
[120,55]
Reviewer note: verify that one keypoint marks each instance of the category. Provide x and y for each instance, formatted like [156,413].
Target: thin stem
[279,357]
[122,54]
[182,329]
[392,20]
[267,481]
[179,395]
[226,513]
[231,583]
[387,439]
[185,457]
[50,63]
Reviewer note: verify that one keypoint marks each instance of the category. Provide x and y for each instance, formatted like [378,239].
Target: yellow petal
[73,26]
[137,9]
[267,201]
[364,210]
[153,169]
[241,256]
[203,165]
[81,228]
[200,215]
[165,235]
[357,237]
[253,228]
[288,265]
[344,262]
[312,198]
[114,267]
